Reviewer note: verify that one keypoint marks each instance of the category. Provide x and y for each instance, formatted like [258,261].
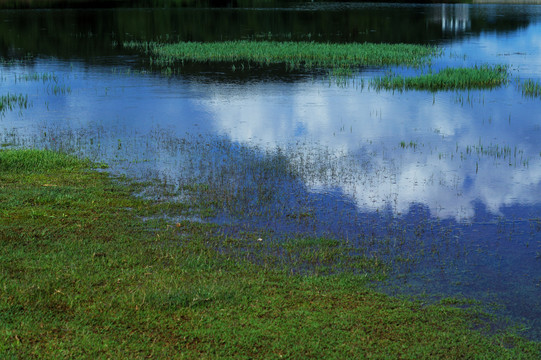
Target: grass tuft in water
[43,77]
[478,77]
[12,101]
[531,88]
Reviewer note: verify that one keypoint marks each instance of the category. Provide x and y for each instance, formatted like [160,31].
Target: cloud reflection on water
[436,169]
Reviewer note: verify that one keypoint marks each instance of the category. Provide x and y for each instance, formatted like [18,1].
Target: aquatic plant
[11,101]
[478,77]
[293,54]
[58,89]
[531,88]
[44,77]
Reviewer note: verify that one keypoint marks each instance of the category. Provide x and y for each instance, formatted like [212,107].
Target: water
[445,185]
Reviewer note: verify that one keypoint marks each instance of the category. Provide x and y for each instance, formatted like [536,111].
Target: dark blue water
[444,186]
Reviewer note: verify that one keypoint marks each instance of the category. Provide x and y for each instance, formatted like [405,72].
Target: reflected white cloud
[421,148]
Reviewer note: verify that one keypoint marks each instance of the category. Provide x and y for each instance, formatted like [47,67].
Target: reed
[293,54]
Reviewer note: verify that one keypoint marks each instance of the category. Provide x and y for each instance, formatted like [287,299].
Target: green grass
[294,54]
[32,160]
[478,77]
[87,270]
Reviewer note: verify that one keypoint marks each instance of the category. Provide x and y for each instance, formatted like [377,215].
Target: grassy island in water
[295,54]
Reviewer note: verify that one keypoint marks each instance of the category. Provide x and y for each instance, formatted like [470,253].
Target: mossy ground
[84,275]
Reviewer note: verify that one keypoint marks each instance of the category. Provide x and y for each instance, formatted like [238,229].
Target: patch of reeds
[531,88]
[44,77]
[11,101]
[478,77]
[293,54]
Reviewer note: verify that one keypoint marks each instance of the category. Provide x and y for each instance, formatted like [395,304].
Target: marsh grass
[292,54]
[83,275]
[243,187]
[478,77]
[13,101]
[43,77]
[531,88]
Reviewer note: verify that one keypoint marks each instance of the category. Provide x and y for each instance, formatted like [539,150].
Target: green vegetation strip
[83,276]
[482,77]
[295,54]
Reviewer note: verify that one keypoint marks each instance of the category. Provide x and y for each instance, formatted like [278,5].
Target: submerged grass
[531,88]
[82,275]
[478,77]
[43,77]
[293,54]
[12,101]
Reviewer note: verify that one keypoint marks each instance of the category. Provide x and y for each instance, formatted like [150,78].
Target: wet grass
[89,270]
[293,54]
[478,77]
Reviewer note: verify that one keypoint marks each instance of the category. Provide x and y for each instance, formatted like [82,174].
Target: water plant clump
[478,77]
[43,77]
[531,88]
[11,101]
[293,54]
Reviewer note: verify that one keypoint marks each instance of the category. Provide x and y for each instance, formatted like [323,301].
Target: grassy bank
[478,77]
[293,54]
[89,270]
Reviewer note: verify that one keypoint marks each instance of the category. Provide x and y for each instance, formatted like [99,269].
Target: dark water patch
[93,33]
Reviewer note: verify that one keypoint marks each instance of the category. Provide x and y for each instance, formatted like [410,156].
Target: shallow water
[444,185]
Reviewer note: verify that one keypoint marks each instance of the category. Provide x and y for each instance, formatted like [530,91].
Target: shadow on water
[94,34]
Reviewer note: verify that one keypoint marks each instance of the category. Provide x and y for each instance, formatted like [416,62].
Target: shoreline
[84,274]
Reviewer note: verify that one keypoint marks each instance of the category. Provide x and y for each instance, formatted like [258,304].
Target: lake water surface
[446,186]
